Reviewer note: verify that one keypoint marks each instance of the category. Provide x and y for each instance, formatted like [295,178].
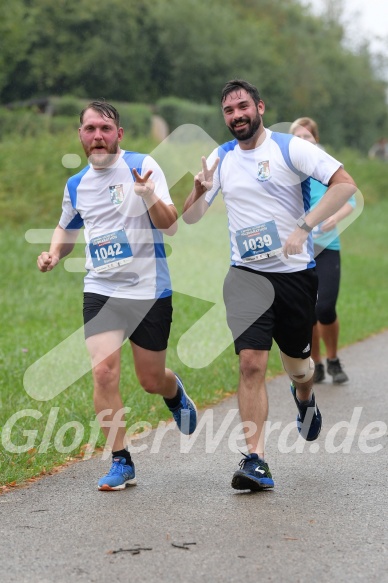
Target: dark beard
[103,160]
[249,132]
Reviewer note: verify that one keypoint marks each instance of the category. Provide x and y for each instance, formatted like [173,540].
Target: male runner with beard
[270,290]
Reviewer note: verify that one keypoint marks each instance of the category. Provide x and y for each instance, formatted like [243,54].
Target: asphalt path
[326,519]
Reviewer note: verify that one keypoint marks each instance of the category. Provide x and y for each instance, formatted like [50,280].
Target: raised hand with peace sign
[144,187]
[205,176]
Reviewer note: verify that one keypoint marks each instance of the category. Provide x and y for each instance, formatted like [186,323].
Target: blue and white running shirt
[266,190]
[125,255]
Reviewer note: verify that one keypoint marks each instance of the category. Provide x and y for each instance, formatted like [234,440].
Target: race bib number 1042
[110,250]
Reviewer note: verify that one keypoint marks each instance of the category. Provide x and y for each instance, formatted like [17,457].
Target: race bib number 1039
[258,242]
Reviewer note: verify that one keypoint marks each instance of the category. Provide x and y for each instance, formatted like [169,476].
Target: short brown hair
[235,85]
[103,108]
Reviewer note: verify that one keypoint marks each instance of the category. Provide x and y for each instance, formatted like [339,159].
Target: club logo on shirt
[263,173]
[117,193]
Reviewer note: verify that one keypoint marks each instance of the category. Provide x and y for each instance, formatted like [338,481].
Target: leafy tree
[88,48]
[14,38]
[143,51]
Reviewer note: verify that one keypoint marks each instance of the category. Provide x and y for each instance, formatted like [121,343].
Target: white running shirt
[266,190]
[125,255]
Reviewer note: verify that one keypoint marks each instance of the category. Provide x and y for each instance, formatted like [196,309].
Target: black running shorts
[146,322]
[262,307]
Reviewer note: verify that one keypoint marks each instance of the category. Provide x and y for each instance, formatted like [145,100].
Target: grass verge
[38,311]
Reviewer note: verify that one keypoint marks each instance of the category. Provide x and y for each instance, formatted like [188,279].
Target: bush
[135,118]
[177,112]
[62,113]
[67,105]
[23,122]
[369,175]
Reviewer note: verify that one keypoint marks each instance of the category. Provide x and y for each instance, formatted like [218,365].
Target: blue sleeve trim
[72,185]
[223,150]
[283,141]
[76,222]
[134,160]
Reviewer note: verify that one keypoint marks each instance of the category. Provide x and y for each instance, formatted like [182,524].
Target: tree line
[144,50]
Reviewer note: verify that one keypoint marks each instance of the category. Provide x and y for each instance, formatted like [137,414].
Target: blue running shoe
[309,420]
[253,474]
[185,414]
[120,475]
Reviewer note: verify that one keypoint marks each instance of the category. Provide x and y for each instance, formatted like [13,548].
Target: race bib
[110,250]
[258,242]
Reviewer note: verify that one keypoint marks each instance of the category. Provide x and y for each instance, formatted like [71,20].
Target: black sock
[123,453]
[175,401]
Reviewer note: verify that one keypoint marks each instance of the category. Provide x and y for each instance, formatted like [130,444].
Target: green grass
[363,300]
[38,311]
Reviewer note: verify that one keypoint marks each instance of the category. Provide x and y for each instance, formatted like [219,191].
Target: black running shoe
[309,420]
[253,474]
[319,373]
[334,369]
